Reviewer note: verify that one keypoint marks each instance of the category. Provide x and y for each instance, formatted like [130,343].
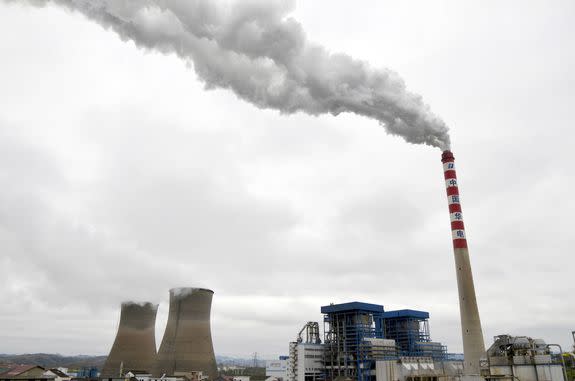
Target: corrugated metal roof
[352,306]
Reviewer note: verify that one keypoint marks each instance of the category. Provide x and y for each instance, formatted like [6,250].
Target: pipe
[562,359]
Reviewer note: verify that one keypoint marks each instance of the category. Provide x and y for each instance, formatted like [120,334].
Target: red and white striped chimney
[457,226]
[473,344]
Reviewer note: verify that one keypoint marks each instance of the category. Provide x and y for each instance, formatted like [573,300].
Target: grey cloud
[171,215]
[385,212]
[73,249]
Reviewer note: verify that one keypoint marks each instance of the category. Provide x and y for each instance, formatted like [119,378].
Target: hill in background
[48,360]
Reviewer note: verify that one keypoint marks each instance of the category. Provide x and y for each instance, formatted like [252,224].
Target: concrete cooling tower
[187,343]
[135,344]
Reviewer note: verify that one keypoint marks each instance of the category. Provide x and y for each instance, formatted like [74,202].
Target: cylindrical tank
[135,345]
[521,342]
[541,347]
[187,343]
[473,344]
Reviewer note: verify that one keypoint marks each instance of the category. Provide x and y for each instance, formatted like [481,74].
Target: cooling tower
[473,346]
[187,343]
[135,344]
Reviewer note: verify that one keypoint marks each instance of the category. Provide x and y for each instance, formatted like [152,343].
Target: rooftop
[18,369]
[406,314]
[352,306]
[58,373]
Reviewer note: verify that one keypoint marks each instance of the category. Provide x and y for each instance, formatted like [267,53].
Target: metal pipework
[562,359]
[472,334]
[135,345]
[312,333]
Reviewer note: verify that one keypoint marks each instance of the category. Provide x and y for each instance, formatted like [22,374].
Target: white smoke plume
[149,305]
[255,49]
[182,292]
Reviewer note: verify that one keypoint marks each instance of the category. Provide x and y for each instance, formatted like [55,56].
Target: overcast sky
[121,177]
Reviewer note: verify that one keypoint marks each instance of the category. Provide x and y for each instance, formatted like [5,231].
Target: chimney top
[447,156]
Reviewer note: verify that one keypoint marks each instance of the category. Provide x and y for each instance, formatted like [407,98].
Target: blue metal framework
[346,328]
[351,331]
[410,330]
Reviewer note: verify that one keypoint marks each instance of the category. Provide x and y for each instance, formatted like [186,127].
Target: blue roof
[406,314]
[352,306]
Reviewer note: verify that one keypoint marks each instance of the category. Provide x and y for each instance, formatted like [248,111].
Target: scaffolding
[354,340]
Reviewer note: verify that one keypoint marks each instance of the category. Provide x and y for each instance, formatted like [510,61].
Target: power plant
[357,335]
[361,341]
[187,347]
[260,52]
[135,345]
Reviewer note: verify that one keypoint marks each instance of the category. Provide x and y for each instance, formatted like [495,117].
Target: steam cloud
[149,305]
[182,292]
[255,49]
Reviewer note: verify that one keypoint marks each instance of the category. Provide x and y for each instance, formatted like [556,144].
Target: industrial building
[362,342]
[361,339]
[358,335]
[410,331]
[353,334]
[523,358]
[277,368]
[306,356]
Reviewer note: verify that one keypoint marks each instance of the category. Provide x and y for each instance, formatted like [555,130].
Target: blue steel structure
[86,372]
[410,330]
[351,331]
[346,328]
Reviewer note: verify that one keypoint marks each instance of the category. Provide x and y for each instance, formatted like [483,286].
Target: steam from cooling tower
[255,49]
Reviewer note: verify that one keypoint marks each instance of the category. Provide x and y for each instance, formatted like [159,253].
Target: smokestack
[135,344]
[473,346]
[187,343]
